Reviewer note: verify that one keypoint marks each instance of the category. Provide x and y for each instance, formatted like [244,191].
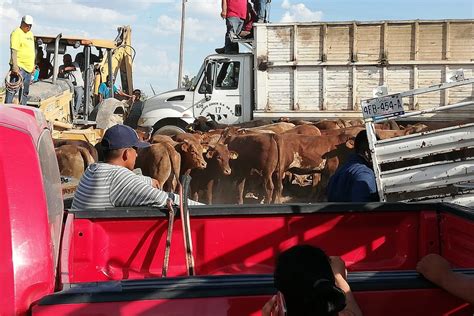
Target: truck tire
[170,127]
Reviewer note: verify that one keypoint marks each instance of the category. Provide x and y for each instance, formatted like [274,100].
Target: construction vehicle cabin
[55,96]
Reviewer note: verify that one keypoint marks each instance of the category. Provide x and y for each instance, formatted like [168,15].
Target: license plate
[384,106]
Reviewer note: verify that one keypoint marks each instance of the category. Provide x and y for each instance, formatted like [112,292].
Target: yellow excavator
[55,95]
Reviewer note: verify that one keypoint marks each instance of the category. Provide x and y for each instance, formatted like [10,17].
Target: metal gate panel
[427,176]
[425,144]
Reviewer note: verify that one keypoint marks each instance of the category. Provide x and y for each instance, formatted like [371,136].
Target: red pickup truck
[109,261]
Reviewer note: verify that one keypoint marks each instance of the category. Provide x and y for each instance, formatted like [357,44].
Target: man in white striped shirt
[113,183]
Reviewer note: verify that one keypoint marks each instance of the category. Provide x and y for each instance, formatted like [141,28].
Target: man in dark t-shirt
[355,180]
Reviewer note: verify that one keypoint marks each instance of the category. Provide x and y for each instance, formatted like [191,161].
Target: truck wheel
[170,127]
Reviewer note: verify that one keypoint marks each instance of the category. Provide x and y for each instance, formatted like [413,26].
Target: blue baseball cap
[121,136]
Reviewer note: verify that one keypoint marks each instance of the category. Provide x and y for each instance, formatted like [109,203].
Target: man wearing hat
[113,183]
[22,60]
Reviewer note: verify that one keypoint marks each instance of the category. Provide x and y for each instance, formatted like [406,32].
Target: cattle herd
[256,162]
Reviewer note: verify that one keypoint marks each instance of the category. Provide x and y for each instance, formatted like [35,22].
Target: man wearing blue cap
[113,183]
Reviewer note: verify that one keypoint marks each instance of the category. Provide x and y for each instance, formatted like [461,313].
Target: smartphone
[281,306]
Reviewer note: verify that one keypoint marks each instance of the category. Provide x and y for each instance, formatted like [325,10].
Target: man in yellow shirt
[22,61]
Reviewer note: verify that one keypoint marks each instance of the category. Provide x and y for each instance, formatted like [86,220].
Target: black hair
[111,154]
[361,143]
[137,91]
[304,276]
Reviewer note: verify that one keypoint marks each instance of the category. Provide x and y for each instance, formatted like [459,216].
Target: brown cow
[276,128]
[91,149]
[385,134]
[191,150]
[217,158]
[309,130]
[327,125]
[157,138]
[317,155]
[257,155]
[161,162]
[73,160]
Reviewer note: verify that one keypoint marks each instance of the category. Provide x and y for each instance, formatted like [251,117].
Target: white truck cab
[222,90]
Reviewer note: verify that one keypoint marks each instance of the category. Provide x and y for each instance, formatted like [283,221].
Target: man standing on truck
[355,181]
[22,60]
[261,9]
[234,12]
[113,182]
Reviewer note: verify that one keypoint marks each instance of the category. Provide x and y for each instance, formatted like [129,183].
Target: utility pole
[181,44]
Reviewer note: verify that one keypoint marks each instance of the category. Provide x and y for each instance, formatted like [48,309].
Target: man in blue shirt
[355,180]
[104,91]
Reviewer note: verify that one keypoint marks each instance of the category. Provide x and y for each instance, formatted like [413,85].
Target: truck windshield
[195,79]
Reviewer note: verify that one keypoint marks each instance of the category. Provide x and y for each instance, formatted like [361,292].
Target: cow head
[221,154]
[193,152]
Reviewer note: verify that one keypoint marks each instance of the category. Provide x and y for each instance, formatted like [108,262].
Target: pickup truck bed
[129,244]
[112,259]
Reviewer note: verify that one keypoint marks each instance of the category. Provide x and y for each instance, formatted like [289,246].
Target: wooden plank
[368,77]
[416,34]
[446,91]
[279,43]
[338,89]
[384,76]
[363,63]
[415,105]
[295,103]
[385,41]
[354,42]
[309,88]
[400,44]
[447,40]
[355,101]
[461,41]
[309,43]
[368,43]
[324,40]
[261,76]
[324,89]
[379,22]
[431,42]
[338,43]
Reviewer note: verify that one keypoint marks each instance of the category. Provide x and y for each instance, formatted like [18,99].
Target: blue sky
[156,25]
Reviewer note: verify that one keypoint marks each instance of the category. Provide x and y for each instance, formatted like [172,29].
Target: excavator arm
[122,59]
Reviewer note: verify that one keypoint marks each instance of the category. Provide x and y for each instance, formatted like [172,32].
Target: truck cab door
[219,95]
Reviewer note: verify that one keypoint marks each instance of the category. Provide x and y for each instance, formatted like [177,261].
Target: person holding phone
[310,283]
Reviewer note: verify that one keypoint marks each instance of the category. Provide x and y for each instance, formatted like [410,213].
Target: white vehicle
[437,165]
[321,70]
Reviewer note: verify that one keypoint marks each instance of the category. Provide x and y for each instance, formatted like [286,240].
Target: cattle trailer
[323,70]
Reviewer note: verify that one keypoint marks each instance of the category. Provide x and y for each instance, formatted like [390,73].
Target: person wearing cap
[113,183]
[22,59]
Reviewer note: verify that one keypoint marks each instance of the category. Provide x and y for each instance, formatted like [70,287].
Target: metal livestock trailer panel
[435,165]
[325,69]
